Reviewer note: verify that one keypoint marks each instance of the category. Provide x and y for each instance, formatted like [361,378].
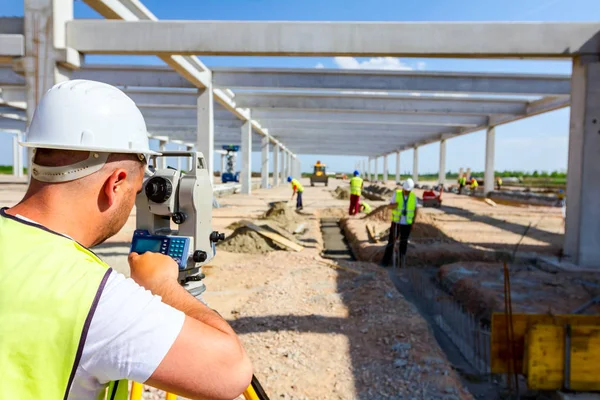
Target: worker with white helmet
[404,211]
[69,324]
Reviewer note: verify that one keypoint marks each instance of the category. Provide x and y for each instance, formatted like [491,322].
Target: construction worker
[298,189]
[69,324]
[365,208]
[356,187]
[499,183]
[462,182]
[404,211]
[474,185]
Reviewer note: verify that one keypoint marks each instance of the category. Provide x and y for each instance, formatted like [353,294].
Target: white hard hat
[88,116]
[408,185]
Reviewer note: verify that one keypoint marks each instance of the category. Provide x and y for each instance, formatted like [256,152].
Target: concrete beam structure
[490,145]
[283,160]
[380,103]
[415,171]
[276,177]
[162,147]
[582,232]
[363,171]
[205,136]
[376,169]
[367,39]
[264,170]
[385,168]
[11,46]
[246,155]
[442,167]
[397,166]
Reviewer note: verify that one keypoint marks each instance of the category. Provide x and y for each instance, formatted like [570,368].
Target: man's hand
[152,270]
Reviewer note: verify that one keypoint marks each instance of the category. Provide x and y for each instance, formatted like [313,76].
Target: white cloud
[420,65]
[319,65]
[386,63]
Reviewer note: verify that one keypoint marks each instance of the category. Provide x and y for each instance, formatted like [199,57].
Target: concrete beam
[341,127]
[12,45]
[15,97]
[364,39]
[374,118]
[10,124]
[392,81]
[205,140]
[380,103]
[9,78]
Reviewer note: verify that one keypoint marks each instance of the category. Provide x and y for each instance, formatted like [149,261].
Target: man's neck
[61,217]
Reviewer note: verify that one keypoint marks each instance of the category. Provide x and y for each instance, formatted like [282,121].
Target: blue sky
[536,143]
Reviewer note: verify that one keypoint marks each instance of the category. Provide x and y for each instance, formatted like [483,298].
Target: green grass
[8,170]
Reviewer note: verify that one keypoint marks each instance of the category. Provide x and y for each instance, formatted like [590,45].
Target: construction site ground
[315,331]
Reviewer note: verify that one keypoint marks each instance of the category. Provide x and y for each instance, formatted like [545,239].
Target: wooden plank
[490,202]
[585,358]
[371,233]
[499,354]
[273,236]
[545,357]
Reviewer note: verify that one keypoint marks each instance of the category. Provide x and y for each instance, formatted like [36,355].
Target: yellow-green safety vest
[356,185]
[462,181]
[299,187]
[366,208]
[411,206]
[474,184]
[50,286]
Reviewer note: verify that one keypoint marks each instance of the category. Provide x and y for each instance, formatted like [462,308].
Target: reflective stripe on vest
[299,187]
[411,205]
[50,286]
[355,185]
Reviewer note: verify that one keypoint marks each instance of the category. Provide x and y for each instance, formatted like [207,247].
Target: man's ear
[114,184]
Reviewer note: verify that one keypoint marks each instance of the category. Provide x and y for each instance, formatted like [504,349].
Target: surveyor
[404,211]
[298,189]
[365,208]
[462,181]
[499,183]
[356,187]
[69,323]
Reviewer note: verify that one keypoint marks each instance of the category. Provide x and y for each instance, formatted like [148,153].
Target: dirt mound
[381,213]
[332,212]
[341,193]
[284,216]
[245,240]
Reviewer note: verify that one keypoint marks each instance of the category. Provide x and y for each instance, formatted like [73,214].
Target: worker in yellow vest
[298,189]
[499,183]
[462,182]
[365,208]
[356,187]
[474,185]
[404,211]
[69,324]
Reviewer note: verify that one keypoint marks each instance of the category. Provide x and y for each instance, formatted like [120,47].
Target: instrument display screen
[143,245]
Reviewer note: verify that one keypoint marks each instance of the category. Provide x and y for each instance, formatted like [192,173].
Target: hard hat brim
[88,148]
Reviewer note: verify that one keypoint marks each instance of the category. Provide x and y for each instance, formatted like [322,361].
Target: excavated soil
[480,288]
[341,193]
[284,216]
[245,240]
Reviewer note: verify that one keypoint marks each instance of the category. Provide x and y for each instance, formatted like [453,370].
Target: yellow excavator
[319,174]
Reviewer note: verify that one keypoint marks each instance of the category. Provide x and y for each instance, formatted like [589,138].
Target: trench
[481,386]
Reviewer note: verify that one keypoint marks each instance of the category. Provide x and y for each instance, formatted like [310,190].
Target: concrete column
[222,164]
[276,165]
[442,168]
[376,169]
[415,171]
[162,161]
[385,169]
[288,165]
[468,173]
[282,155]
[264,170]
[246,154]
[179,159]
[488,175]
[17,156]
[205,137]
[369,177]
[397,167]
[582,233]
[364,169]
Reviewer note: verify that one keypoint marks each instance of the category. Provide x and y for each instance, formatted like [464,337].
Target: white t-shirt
[130,333]
[402,217]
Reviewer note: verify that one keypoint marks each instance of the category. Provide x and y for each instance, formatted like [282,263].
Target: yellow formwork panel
[545,358]
[522,323]
[585,358]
